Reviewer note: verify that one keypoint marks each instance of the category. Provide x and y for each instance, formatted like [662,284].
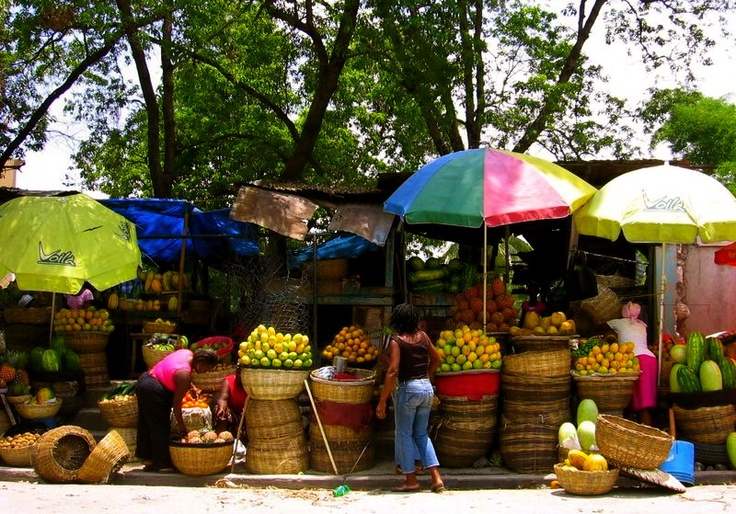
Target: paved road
[27,497]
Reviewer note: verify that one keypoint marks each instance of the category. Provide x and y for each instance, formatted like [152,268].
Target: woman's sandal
[406,489]
[439,488]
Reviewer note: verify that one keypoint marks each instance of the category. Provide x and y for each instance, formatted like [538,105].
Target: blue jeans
[413,403]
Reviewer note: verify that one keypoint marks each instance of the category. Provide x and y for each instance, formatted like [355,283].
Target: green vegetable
[50,360]
[586,346]
[415,263]
[455,266]
[433,263]
[37,358]
[715,349]
[688,380]
[57,343]
[433,286]
[429,275]
[69,360]
[728,372]
[695,351]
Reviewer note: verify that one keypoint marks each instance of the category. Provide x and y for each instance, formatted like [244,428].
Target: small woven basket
[39,411]
[17,457]
[611,393]
[547,363]
[272,384]
[709,425]
[540,343]
[632,444]
[31,315]
[200,459]
[105,460]
[15,400]
[61,452]
[211,381]
[123,414]
[344,391]
[586,483]
[151,356]
[86,341]
[152,327]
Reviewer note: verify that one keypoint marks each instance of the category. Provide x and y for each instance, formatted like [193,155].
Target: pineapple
[17,360]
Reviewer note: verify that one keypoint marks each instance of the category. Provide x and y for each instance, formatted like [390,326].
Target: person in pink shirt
[159,390]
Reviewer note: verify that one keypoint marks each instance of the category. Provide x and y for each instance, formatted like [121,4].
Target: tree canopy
[192,99]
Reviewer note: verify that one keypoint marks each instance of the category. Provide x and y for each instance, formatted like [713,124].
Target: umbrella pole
[485,274]
[662,279]
[51,322]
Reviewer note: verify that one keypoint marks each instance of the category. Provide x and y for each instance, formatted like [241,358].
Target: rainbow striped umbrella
[483,185]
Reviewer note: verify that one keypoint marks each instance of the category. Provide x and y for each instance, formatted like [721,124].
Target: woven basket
[273,418]
[706,424]
[130,436]
[15,400]
[540,343]
[39,411]
[105,460]
[586,483]
[554,412]
[151,356]
[61,452]
[347,458]
[273,384]
[711,454]
[548,363]
[86,341]
[200,459]
[337,435]
[632,444]
[17,457]
[611,394]
[604,307]
[31,315]
[212,381]
[282,455]
[528,447]
[152,327]
[528,388]
[463,430]
[120,414]
[344,391]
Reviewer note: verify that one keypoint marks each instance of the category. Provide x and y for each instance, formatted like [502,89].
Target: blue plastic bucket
[680,463]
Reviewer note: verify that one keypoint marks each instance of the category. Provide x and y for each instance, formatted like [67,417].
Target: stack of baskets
[26,325]
[276,440]
[332,439]
[707,428]
[536,401]
[464,427]
[121,417]
[90,346]
[611,393]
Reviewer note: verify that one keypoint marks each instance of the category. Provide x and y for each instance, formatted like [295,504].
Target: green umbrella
[57,243]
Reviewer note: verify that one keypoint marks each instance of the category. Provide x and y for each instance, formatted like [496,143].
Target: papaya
[595,462]
[577,458]
[156,286]
[113,301]
[531,320]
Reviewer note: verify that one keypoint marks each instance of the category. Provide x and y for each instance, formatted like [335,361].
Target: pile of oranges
[194,399]
[608,358]
[89,319]
[353,343]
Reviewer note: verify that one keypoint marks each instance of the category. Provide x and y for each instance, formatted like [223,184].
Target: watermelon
[69,360]
[695,351]
[731,449]
[728,372]
[688,380]
[50,360]
[715,349]
[57,343]
[415,263]
[37,358]
[710,376]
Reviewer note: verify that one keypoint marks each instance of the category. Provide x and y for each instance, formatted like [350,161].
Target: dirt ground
[25,497]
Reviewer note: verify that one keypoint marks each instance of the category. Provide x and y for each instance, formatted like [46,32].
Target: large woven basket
[211,381]
[200,459]
[603,307]
[130,436]
[344,391]
[705,424]
[151,356]
[551,412]
[105,460]
[273,419]
[17,457]
[39,411]
[120,414]
[543,363]
[540,343]
[31,315]
[528,447]
[632,444]
[586,483]
[283,455]
[273,384]
[338,435]
[153,327]
[611,393]
[529,388]
[61,452]
[463,430]
[86,341]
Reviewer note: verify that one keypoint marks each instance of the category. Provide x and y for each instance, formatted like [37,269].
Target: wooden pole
[240,431]
[321,428]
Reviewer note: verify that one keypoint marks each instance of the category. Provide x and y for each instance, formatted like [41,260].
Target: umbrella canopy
[726,255]
[483,185]
[57,243]
[660,204]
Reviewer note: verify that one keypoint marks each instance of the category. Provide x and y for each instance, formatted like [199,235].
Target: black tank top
[414,358]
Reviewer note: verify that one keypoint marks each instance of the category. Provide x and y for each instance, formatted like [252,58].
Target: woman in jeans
[412,360]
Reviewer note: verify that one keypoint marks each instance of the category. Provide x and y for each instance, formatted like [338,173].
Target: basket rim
[598,377]
[466,372]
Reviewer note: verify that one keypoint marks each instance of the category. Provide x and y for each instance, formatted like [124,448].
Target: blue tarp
[160,225]
[342,246]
